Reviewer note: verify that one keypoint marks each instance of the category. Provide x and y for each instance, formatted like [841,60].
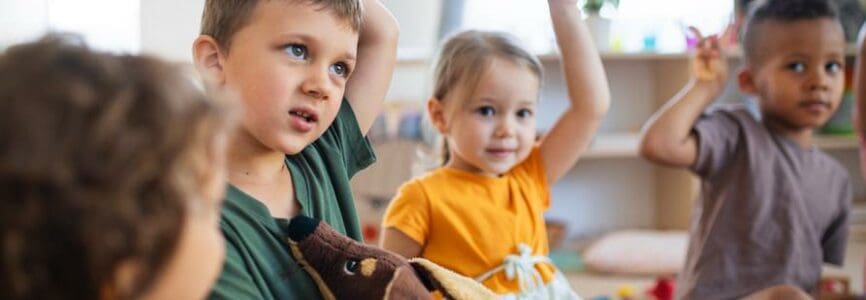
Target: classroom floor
[589,285]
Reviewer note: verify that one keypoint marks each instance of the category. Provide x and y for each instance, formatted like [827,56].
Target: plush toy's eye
[352,266]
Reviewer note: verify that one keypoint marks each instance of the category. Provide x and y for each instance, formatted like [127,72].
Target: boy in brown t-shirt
[772,207]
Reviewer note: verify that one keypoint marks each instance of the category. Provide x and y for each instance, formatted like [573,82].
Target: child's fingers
[714,42]
[697,33]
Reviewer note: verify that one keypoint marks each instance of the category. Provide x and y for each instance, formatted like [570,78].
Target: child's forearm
[377,54]
[586,81]
[667,137]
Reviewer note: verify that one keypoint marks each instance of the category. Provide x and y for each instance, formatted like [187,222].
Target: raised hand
[709,63]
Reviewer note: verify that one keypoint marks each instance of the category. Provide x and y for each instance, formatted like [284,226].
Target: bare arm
[398,242]
[667,137]
[588,92]
[377,53]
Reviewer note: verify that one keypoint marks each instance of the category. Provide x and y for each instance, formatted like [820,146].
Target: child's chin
[294,148]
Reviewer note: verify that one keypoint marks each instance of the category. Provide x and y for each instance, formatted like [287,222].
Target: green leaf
[594,6]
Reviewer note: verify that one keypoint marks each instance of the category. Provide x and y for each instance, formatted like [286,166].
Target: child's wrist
[706,88]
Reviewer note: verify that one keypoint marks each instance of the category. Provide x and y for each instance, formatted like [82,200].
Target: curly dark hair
[97,162]
[760,11]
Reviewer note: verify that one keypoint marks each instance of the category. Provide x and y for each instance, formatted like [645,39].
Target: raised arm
[588,93]
[667,137]
[377,53]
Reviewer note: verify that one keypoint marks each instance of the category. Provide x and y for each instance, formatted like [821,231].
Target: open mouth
[307,116]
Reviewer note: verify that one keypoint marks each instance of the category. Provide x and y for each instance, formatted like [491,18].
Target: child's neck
[251,162]
[262,173]
[801,136]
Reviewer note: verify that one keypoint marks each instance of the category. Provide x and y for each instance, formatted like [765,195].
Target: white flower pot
[600,29]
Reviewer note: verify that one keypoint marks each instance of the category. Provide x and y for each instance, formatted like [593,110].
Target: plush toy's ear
[451,285]
[299,229]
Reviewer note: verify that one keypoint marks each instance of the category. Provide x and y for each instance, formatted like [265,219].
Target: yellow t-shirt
[468,222]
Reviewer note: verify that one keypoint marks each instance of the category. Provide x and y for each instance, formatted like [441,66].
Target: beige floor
[589,285]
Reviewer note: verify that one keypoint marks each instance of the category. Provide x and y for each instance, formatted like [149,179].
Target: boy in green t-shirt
[291,63]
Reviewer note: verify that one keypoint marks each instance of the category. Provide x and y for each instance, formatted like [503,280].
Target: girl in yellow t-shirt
[481,213]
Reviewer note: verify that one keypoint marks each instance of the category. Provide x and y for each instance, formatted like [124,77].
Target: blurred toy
[565,259]
[626,292]
[663,289]
[835,288]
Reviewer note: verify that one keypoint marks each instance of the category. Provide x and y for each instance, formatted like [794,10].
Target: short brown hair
[97,157]
[221,19]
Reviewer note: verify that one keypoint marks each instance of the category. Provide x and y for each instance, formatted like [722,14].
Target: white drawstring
[522,266]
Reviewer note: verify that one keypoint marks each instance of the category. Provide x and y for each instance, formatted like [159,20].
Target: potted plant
[597,25]
[592,7]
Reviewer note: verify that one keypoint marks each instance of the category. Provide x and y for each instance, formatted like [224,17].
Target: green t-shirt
[258,263]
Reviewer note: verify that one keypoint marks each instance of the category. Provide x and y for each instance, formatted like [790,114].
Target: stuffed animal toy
[345,269]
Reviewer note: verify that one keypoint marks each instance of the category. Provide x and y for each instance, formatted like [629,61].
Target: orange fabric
[469,223]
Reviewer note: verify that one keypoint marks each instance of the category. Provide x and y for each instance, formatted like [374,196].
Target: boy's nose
[317,86]
[819,81]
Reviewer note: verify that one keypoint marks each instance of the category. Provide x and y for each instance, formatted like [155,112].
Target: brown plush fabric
[346,269]
[335,262]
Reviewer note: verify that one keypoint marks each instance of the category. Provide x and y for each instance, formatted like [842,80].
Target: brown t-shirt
[769,212]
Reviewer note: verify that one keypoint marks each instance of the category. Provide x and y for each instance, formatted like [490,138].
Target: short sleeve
[346,135]
[234,281]
[717,136]
[409,212]
[835,238]
[533,169]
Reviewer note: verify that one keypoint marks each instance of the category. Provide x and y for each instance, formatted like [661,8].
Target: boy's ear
[436,113]
[208,58]
[746,81]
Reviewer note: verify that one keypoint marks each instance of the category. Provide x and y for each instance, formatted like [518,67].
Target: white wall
[168,28]
[22,21]
[419,23]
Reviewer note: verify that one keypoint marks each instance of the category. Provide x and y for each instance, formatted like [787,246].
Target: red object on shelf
[370,232]
[663,289]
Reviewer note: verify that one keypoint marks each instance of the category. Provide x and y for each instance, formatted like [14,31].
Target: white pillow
[638,252]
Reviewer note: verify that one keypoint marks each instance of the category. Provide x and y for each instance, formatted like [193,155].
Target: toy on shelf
[663,289]
[835,288]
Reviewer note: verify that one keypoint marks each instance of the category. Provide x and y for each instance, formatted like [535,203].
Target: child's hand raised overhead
[708,63]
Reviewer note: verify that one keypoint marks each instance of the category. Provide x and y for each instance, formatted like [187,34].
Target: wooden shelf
[613,145]
[625,145]
[424,56]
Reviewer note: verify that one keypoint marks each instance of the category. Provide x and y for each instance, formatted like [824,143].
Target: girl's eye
[797,67]
[340,69]
[296,51]
[833,67]
[485,111]
[524,113]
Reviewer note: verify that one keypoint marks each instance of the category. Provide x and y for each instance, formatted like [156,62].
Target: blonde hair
[465,57]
